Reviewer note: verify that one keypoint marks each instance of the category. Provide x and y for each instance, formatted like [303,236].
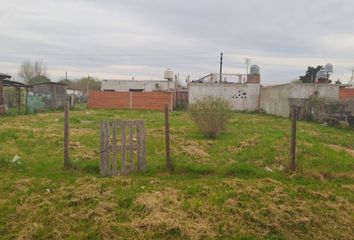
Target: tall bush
[211,115]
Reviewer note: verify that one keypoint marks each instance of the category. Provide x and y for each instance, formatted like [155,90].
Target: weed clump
[211,115]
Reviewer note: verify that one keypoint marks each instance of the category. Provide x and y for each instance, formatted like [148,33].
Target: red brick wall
[98,99]
[130,100]
[345,93]
[253,78]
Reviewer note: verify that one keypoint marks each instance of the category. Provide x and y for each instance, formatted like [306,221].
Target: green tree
[83,84]
[88,83]
[38,79]
[71,84]
[310,75]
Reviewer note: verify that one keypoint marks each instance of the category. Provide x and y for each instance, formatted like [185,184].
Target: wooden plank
[124,153]
[26,100]
[131,146]
[143,144]
[138,141]
[107,149]
[19,100]
[114,149]
[66,135]
[102,148]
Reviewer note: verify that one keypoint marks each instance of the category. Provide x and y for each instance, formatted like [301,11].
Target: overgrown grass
[232,187]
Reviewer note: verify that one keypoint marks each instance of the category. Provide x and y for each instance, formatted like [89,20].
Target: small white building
[137,85]
[242,97]
[74,92]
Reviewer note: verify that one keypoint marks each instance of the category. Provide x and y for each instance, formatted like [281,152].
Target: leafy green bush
[211,115]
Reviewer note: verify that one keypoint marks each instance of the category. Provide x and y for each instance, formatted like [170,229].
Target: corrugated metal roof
[3,76]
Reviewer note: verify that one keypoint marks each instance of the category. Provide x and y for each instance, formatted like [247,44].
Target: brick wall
[345,93]
[253,78]
[130,100]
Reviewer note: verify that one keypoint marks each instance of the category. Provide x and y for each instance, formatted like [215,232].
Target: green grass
[234,187]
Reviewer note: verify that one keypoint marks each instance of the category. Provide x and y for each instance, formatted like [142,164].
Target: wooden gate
[125,140]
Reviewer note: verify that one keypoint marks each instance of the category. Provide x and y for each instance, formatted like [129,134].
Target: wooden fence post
[143,143]
[102,148]
[131,146]
[169,162]
[293,138]
[66,134]
[18,100]
[26,100]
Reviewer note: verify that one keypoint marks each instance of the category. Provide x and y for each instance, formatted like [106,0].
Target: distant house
[75,92]
[240,90]
[137,85]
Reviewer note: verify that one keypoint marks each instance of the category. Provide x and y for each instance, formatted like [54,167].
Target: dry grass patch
[341,148]
[59,213]
[267,207]
[163,213]
[248,143]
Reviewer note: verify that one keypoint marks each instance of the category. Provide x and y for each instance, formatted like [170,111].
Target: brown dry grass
[248,143]
[61,209]
[267,207]
[253,207]
[163,212]
[341,148]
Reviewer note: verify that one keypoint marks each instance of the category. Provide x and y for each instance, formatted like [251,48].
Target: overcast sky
[120,39]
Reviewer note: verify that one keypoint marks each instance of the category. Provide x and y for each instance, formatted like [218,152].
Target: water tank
[254,69]
[322,74]
[169,74]
[329,68]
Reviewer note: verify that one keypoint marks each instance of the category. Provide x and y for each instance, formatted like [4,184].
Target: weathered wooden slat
[124,152]
[143,144]
[110,167]
[138,141]
[102,148]
[114,149]
[131,146]
[107,145]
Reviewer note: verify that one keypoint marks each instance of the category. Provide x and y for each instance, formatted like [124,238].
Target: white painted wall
[145,85]
[243,97]
[274,99]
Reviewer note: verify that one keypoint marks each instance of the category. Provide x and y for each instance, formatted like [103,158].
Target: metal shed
[52,94]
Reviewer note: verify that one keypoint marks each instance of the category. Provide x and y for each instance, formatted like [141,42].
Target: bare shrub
[211,115]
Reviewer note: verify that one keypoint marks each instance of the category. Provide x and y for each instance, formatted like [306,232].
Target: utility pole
[66,76]
[220,75]
[87,89]
[247,62]
[293,109]
[66,133]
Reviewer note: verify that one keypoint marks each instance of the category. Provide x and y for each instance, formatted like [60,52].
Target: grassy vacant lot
[234,187]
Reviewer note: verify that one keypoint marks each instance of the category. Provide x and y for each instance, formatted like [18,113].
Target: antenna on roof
[352,77]
[248,63]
